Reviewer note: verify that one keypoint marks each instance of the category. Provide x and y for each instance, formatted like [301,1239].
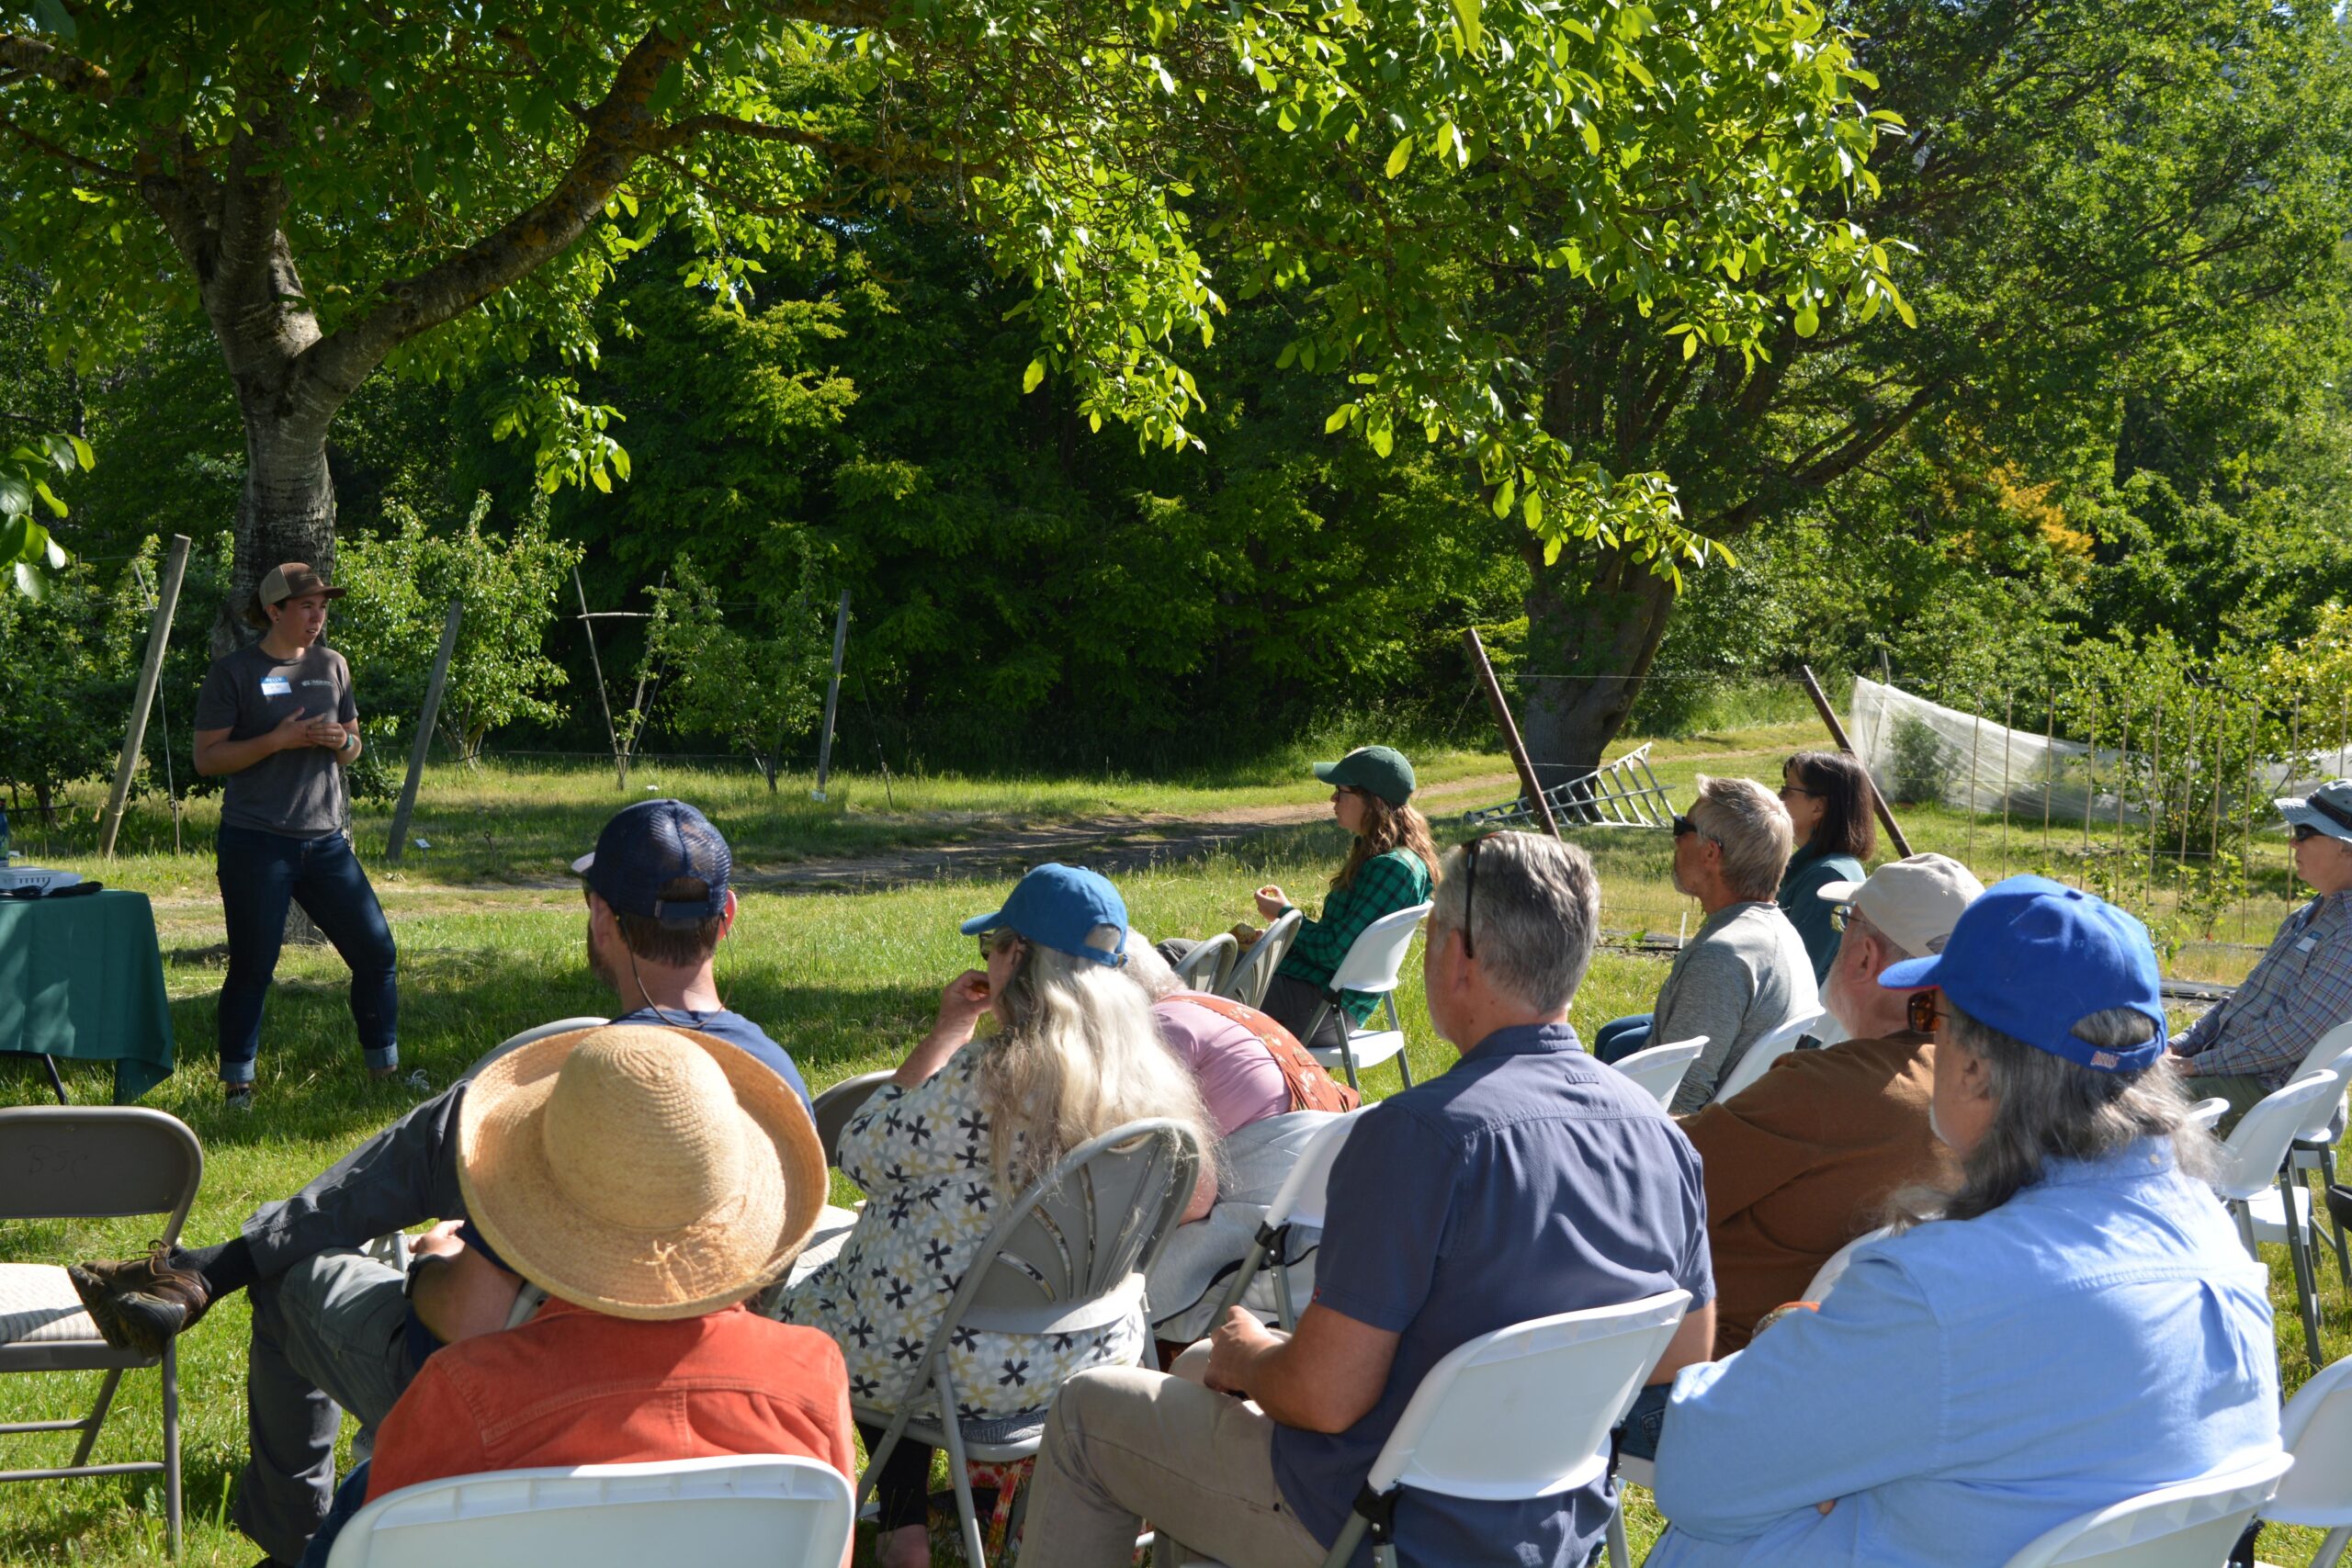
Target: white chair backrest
[1525,1411]
[1659,1069]
[2325,1049]
[1835,1265]
[1766,1051]
[1208,963]
[2323,1110]
[2207,1113]
[1246,981]
[1377,955]
[2252,1153]
[2189,1526]
[1302,1197]
[791,1512]
[2316,1427]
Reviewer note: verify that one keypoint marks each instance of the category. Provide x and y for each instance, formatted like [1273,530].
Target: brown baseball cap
[289,579]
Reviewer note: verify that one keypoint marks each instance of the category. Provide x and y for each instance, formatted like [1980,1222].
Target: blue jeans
[260,875]
[1637,1439]
[1621,1037]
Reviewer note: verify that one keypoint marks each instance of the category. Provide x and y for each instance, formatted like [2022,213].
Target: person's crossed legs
[330,1332]
[1123,1444]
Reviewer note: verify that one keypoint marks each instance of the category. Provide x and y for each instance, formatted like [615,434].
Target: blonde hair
[1386,827]
[1079,1054]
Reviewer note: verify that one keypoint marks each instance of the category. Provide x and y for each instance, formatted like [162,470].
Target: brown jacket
[1801,1162]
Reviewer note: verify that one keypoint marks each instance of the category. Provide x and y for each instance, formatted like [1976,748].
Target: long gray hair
[2046,1108]
[1078,1055]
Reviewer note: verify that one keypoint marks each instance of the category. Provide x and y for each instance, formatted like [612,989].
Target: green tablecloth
[83,978]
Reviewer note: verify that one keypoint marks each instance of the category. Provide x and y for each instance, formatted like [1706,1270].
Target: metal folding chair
[1205,967]
[1068,1257]
[1246,982]
[86,1163]
[837,1105]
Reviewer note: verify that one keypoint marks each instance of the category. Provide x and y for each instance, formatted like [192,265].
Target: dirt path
[1111,843]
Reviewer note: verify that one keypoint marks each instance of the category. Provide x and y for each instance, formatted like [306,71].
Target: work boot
[139,1303]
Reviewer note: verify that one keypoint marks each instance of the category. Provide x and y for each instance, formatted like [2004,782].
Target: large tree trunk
[286,513]
[1594,622]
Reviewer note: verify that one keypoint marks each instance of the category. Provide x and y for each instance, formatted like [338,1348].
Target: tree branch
[74,74]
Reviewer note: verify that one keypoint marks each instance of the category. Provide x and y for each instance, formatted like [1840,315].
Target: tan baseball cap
[1916,900]
[287,580]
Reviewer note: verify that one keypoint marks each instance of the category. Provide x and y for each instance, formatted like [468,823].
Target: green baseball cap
[1376,770]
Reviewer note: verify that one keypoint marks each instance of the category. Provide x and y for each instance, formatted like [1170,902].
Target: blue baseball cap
[2034,957]
[1068,909]
[647,846]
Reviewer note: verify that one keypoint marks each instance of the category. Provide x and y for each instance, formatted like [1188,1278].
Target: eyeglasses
[1001,940]
[1799,789]
[1470,887]
[1838,915]
[1684,825]
[1926,1016]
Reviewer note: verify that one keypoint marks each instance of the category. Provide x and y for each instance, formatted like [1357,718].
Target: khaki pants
[1124,1444]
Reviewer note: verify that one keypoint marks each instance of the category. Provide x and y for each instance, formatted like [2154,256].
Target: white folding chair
[90,1162]
[1523,1412]
[1835,1265]
[1246,982]
[1205,967]
[2189,1526]
[2316,1427]
[834,1107]
[2288,1214]
[1752,1063]
[1299,1204]
[2262,1194]
[1373,961]
[1659,1068]
[1068,1257]
[2313,1151]
[2207,1113]
[768,1508]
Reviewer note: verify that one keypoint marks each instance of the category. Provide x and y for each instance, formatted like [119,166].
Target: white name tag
[2307,944]
[276,686]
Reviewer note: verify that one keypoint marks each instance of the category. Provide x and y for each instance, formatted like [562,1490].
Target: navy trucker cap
[2034,957]
[647,846]
[1068,909]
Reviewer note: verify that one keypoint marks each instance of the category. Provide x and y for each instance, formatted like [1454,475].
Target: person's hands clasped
[326,733]
[1272,901]
[1233,1345]
[293,731]
[439,1242]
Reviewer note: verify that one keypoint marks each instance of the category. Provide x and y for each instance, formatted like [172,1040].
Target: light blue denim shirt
[1972,1383]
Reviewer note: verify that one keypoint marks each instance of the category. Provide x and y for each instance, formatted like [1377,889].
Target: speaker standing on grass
[277,721]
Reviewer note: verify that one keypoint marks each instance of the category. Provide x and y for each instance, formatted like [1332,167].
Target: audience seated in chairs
[2251,1044]
[649,1181]
[333,1326]
[1459,1206]
[2072,1325]
[1391,866]
[963,1130]
[1746,971]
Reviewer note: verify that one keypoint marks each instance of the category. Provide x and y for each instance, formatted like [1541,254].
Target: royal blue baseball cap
[1068,909]
[647,846]
[2032,958]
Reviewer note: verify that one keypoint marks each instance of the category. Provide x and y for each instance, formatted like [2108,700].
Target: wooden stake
[833,698]
[1509,727]
[424,722]
[134,740]
[596,663]
[1837,733]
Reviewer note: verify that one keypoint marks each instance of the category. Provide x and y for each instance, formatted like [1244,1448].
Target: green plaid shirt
[1384,885]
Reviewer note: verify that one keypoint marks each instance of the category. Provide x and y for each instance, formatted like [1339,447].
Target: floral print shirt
[923,1157]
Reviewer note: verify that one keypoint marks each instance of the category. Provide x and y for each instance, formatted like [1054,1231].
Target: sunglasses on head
[1926,1017]
[1470,887]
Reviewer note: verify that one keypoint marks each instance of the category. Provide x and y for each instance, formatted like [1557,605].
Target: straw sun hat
[641,1171]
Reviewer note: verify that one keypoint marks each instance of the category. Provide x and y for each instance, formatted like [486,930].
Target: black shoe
[140,1304]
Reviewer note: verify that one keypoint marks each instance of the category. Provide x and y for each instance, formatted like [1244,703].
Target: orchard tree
[344,185]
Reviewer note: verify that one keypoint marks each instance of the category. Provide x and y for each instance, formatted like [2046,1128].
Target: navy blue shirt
[1530,1180]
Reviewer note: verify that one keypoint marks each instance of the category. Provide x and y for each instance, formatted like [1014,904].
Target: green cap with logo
[1376,770]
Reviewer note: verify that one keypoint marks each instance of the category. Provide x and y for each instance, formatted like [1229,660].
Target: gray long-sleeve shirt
[1743,976]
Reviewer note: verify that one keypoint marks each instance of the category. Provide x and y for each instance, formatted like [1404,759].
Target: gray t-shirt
[1743,976]
[297,792]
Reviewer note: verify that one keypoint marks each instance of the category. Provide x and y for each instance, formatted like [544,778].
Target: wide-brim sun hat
[639,1170]
[2327,809]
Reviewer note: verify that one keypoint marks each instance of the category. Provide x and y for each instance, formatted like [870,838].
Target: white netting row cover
[1919,750]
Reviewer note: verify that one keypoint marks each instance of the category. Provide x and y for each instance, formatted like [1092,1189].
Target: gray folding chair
[88,1163]
[836,1105]
[1205,967]
[1246,982]
[1070,1255]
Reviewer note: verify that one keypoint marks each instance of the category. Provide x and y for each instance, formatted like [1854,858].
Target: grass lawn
[490,934]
